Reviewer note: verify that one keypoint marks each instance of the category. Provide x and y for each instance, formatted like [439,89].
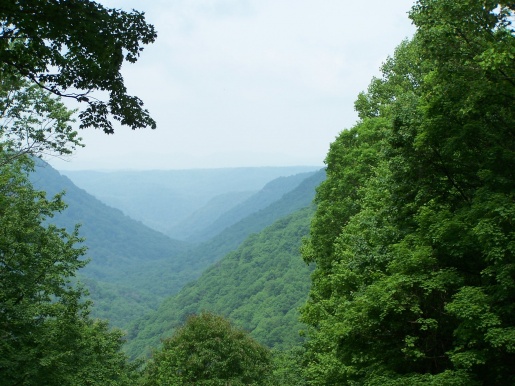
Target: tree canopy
[73,48]
[413,238]
[47,337]
[33,122]
[208,350]
[46,334]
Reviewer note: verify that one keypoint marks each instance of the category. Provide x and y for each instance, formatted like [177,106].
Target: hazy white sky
[247,82]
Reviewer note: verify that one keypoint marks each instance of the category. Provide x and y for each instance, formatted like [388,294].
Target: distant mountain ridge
[271,192]
[162,199]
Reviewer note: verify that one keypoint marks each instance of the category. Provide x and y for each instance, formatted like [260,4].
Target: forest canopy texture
[414,238]
[208,350]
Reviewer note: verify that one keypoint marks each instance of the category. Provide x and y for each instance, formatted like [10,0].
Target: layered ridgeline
[259,287]
[200,226]
[165,200]
[133,268]
[164,278]
[207,253]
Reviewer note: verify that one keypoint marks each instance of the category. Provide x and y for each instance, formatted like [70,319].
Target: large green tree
[46,336]
[73,48]
[414,236]
[208,350]
[68,49]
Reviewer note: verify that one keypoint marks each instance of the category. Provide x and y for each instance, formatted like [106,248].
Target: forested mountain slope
[260,287]
[118,247]
[109,233]
[167,279]
[162,199]
[133,267]
[271,192]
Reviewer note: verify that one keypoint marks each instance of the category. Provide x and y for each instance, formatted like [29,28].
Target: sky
[235,83]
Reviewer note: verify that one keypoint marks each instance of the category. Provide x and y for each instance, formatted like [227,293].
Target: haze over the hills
[236,83]
[169,200]
[133,268]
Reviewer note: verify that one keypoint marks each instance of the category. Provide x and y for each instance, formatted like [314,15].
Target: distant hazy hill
[271,192]
[164,278]
[162,199]
[260,287]
[205,216]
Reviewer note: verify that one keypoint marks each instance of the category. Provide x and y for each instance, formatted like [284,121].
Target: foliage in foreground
[414,239]
[208,350]
[47,337]
[48,49]
[46,334]
[73,48]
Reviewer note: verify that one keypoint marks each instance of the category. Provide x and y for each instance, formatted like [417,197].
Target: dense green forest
[133,268]
[408,271]
[413,239]
[259,287]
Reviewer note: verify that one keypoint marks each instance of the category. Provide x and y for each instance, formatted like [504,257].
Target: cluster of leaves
[68,49]
[413,239]
[32,122]
[72,48]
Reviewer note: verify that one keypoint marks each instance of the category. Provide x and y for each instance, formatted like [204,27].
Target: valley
[393,265]
[238,252]
[181,203]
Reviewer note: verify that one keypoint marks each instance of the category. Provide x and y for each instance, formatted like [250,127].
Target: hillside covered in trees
[413,239]
[133,268]
[260,287]
[118,248]
[408,271]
